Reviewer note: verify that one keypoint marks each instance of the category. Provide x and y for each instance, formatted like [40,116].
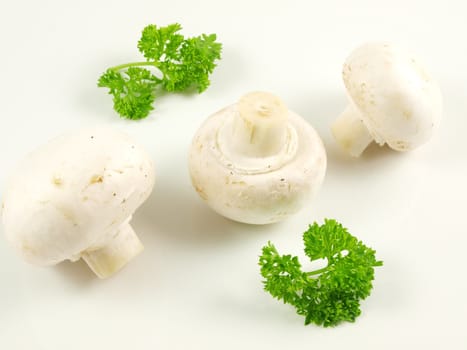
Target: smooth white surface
[197,285]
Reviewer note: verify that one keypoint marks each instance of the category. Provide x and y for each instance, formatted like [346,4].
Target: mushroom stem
[350,132]
[259,128]
[107,260]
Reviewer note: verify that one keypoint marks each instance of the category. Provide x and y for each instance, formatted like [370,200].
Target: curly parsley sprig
[182,63]
[329,295]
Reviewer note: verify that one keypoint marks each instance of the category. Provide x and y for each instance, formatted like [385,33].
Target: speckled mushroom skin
[75,195]
[278,188]
[396,98]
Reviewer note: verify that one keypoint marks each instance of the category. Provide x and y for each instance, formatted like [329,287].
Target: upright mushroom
[393,100]
[256,161]
[74,198]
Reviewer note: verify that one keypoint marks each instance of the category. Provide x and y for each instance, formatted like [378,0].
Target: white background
[197,284]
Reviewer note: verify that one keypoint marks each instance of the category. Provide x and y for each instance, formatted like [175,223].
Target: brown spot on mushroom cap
[68,214]
[28,248]
[400,145]
[241,183]
[201,192]
[96,179]
[407,114]
[199,147]
[57,181]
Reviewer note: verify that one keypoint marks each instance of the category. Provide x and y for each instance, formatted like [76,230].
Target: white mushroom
[393,100]
[255,161]
[74,197]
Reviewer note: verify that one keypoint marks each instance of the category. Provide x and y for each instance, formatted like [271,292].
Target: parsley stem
[316,272]
[133,64]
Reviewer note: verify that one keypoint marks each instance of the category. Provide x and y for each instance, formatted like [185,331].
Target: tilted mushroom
[256,161]
[74,198]
[393,100]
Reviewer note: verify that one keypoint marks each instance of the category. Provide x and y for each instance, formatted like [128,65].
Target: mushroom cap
[399,101]
[267,194]
[72,194]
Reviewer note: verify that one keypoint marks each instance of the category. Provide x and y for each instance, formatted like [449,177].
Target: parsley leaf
[196,63]
[329,295]
[164,41]
[132,90]
[182,63]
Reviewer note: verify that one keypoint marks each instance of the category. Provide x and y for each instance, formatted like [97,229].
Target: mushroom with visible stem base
[256,161]
[74,197]
[394,100]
